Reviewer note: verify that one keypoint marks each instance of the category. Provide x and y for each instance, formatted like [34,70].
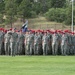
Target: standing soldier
[45,43]
[1,40]
[73,43]
[13,42]
[29,43]
[49,35]
[20,43]
[7,43]
[37,43]
[59,41]
[64,44]
[55,43]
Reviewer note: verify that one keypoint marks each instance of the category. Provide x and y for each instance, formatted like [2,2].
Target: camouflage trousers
[54,48]
[64,49]
[20,48]
[0,48]
[13,48]
[37,49]
[29,49]
[7,48]
[45,48]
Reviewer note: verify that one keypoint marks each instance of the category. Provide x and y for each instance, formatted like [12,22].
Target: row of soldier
[37,42]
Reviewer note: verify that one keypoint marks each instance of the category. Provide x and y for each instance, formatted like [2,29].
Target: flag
[25,26]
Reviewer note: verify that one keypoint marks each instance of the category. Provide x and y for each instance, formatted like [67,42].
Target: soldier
[20,43]
[70,43]
[45,43]
[73,43]
[64,44]
[13,42]
[49,35]
[1,40]
[55,43]
[7,43]
[59,41]
[37,43]
[29,43]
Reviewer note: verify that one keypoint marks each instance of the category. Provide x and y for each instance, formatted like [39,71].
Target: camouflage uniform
[45,44]
[37,44]
[29,44]
[20,43]
[64,44]
[59,43]
[1,41]
[7,43]
[70,44]
[13,43]
[73,44]
[55,44]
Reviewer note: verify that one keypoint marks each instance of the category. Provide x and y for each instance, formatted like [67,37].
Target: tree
[2,10]
[57,3]
[24,9]
[10,8]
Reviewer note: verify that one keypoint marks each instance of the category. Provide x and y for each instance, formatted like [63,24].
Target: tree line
[53,10]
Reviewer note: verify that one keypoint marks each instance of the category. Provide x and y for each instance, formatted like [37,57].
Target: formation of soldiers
[37,42]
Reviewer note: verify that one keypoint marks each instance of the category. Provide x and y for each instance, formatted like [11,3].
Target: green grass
[37,65]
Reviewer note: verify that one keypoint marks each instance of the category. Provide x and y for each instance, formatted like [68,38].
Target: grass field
[37,65]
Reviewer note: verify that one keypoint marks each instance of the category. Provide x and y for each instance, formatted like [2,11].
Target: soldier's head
[55,32]
[72,33]
[63,32]
[45,33]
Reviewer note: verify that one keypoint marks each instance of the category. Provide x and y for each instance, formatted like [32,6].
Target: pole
[72,18]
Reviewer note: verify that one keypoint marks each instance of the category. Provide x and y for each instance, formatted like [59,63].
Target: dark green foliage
[60,15]
[2,6]
[10,8]
[57,15]
[56,10]
[57,3]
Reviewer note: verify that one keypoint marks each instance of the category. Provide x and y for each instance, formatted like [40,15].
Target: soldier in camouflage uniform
[29,43]
[7,43]
[49,35]
[37,43]
[20,43]
[13,42]
[55,43]
[64,44]
[73,43]
[45,43]
[1,41]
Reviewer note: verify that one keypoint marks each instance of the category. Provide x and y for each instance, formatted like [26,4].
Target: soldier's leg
[16,48]
[35,47]
[12,49]
[31,49]
[65,49]
[44,48]
[53,49]
[38,47]
[6,49]
[0,48]
[74,50]
[56,49]
[62,49]
[27,49]
[11,44]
